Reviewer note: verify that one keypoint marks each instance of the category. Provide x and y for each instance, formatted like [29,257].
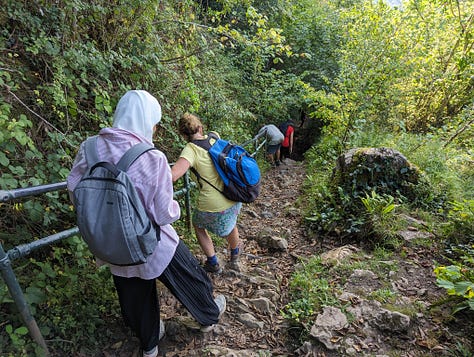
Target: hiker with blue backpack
[214,212]
[170,261]
[274,138]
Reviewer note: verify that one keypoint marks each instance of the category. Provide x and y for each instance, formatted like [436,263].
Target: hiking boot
[278,162]
[235,258]
[235,266]
[221,303]
[214,269]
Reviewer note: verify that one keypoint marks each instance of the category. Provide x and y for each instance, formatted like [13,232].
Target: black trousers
[185,279]
[284,152]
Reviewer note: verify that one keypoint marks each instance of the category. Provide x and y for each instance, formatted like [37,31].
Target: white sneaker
[221,304]
[154,352]
[162,329]
[151,353]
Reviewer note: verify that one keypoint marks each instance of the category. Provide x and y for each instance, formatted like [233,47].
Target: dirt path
[275,240]
[252,324]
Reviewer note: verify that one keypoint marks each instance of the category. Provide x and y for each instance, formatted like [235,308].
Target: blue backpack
[238,170]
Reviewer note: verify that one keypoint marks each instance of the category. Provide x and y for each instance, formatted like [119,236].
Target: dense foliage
[352,73]
[404,82]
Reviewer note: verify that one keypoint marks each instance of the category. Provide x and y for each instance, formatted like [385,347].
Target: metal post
[15,290]
[7,272]
[187,200]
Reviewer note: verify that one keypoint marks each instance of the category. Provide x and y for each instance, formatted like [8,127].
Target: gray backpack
[110,214]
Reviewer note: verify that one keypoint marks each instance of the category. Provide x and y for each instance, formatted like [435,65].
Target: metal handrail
[257,146]
[23,250]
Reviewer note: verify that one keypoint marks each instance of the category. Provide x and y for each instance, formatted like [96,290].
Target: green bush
[339,211]
[458,279]
[64,292]
[460,229]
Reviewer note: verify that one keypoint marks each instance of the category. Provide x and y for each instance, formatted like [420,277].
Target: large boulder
[384,170]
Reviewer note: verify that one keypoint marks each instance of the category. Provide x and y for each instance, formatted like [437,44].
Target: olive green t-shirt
[209,200]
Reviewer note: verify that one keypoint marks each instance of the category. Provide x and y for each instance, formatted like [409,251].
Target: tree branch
[38,116]
[458,132]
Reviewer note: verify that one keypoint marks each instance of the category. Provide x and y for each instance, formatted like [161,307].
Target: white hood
[138,112]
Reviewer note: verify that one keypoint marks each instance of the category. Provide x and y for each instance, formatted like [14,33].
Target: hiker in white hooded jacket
[135,120]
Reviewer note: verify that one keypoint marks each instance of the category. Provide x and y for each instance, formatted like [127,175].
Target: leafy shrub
[445,168]
[338,211]
[460,228]
[381,221]
[363,212]
[458,279]
[68,295]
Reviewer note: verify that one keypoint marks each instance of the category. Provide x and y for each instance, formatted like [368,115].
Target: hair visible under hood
[138,112]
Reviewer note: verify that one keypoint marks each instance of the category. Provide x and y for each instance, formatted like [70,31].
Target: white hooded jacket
[136,115]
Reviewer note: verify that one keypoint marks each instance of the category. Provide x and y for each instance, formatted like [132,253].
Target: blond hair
[189,125]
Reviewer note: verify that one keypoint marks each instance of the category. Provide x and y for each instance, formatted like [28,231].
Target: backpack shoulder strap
[199,177]
[206,143]
[203,143]
[90,150]
[132,154]
[212,135]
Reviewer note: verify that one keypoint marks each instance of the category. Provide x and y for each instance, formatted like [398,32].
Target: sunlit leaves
[458,280]
[408,64]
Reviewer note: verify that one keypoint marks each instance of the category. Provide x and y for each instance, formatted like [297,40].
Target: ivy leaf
[4,159]
[35,295]
[462,287]
[446,284]
[21,330]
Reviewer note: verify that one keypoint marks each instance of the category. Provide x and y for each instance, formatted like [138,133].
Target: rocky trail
[252,324]
[275,242]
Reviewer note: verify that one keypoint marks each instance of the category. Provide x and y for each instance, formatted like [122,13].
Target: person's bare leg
[270,158]
[233,238]
[205,241]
